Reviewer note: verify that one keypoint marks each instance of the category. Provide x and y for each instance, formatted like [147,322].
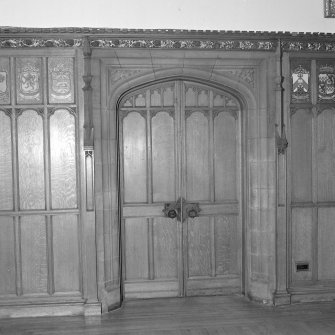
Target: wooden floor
[196,315]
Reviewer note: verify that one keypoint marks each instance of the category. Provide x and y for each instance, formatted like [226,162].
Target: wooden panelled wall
[40,251]
[312,173]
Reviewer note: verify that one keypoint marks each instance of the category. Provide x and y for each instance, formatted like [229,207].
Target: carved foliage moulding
[184,44]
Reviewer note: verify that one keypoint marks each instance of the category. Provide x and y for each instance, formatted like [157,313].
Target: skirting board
[59,309]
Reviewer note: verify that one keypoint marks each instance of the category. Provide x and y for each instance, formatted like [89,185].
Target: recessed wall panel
[63,160]
[65,252]
[34,254]
[6,168]
[31,160]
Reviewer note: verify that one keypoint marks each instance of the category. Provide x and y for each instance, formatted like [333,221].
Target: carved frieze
[60,78]
[184,44]
[40,43]
[28,80]
[4,81]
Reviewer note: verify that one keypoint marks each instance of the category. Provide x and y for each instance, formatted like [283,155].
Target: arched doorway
[180,150]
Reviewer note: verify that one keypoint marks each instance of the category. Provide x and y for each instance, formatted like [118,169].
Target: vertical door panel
[225,157]
[227,245]
[136,246]
[165,233]
[199,247]
[135,158]
[197,157]
[163,157]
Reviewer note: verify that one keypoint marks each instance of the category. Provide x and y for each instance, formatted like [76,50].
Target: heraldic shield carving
[61,82]
[300,83]
[28,80]
[4,81]
[326,82]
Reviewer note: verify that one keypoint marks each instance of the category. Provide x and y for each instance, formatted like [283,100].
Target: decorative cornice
[105,38]
[253,45]
[40,43]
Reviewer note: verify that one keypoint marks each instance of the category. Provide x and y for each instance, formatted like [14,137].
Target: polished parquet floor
[187,316]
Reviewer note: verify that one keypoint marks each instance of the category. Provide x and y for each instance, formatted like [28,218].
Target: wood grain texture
[301,156]
[165,248]
[134,158]
[7,256]
[225,157]
[326,245]
[199,248]
[34,254]
[197,157]
[31,160]
[63,172]
[326,156]
[227,245]
[6,170]
[163,158]
[302,248]
[136,249]
[222,315]
[66,253]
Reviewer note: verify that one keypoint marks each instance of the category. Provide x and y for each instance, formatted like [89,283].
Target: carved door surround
[106,155]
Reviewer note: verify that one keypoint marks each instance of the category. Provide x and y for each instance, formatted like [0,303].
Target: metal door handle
[173,209]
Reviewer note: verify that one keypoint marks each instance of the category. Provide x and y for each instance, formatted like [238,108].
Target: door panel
[180,140]
[197,157]
[163,157]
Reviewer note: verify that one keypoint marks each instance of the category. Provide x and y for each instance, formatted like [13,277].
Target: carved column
[281,296]
[87,77]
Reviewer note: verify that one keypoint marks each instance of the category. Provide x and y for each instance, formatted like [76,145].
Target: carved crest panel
[60,80]
[326,81]
[4,81]
[300,81]
[29,80]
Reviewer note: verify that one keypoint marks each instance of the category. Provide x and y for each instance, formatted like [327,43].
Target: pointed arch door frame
[108,216]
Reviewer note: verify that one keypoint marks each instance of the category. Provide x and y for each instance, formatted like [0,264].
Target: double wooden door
[180,140]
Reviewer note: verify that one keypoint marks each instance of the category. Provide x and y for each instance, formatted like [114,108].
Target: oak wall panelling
[311,167]
[40,209]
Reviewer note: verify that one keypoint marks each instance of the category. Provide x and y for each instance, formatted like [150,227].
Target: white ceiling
[254,15]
